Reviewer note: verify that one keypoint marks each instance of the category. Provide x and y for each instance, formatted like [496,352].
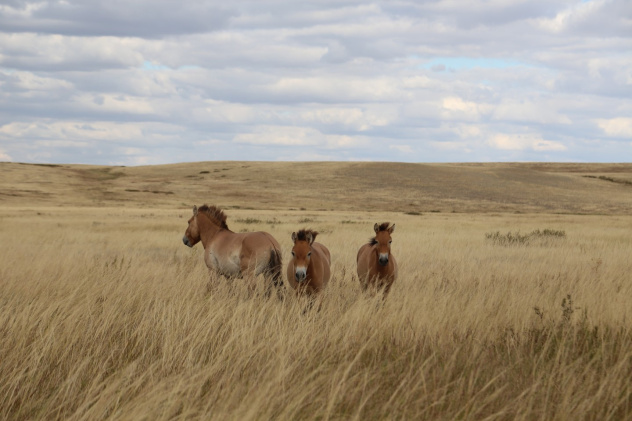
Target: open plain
[513,300]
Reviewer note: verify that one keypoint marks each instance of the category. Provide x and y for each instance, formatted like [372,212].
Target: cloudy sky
[134,82]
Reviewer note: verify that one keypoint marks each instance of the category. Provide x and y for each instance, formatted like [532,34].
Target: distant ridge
[369,186]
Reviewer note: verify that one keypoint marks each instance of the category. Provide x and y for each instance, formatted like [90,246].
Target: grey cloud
[146,82]
[151,19]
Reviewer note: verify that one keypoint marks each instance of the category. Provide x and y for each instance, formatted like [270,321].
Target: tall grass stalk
[104,314]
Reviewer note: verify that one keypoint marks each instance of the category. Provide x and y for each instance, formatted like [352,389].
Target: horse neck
[208,229]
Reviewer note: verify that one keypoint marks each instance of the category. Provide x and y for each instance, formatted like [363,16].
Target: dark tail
[275,266]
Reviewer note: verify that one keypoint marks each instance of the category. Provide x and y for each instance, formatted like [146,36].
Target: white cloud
[116,103]
[529,111]
[298,136]
[5,156]
[61,144]
[406,149]
[263,80]
[47,52]
[468,131]
[76,133]
[345,142]
[355,118]
[453,146]
[616,127]
[573,14]
[457,108]
[281,135]
[524,142]
[233,113]
[308,156]
[26,81]
[346,88]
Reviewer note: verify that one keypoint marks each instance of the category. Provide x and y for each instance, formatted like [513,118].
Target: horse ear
[294,237]
[195,210]
[376,228]
[309,237]
[391,229]
[314,234]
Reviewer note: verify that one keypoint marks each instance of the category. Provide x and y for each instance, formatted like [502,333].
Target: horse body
[238,254]
[309,269]
[231,254]
[377,266]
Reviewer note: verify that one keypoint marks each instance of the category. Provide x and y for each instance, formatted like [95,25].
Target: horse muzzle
[383,260]
[300,275]
[186,241]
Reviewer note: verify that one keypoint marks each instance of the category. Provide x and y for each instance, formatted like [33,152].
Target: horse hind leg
[275,268]
[273,275]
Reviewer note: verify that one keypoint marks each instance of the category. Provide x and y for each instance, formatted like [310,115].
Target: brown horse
[233,255]
[308,270]
[377,267]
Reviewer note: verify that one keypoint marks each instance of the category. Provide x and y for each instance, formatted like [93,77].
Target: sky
[146,82]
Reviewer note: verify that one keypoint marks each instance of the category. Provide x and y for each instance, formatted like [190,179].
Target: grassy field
[500,312]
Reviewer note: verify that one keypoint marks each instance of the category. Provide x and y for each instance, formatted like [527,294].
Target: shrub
[511,239]
[249,221]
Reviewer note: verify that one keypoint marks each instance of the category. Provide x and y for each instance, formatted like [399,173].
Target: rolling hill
[366,186]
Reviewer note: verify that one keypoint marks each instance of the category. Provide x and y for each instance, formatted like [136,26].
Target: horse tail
[275,266]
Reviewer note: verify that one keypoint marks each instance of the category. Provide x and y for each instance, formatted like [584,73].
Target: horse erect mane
[382,227]
[215,214]
[302,235]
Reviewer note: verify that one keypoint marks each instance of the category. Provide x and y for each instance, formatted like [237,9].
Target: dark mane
[216,215]
[383,227]
[302,234]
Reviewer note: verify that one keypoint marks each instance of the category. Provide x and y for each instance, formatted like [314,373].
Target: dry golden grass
[105,314]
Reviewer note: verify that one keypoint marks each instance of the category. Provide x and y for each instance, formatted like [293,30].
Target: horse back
[258,242]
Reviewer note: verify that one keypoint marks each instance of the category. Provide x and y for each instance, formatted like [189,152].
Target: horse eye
[309,254]
[292,253]
[390,241]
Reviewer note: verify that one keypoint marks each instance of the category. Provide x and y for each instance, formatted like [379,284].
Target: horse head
[382,242]
[192,234]
[302,253]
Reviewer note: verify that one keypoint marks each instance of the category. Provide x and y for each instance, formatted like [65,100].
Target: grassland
[511,304]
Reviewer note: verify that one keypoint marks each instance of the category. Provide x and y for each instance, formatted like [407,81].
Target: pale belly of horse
[227,266]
